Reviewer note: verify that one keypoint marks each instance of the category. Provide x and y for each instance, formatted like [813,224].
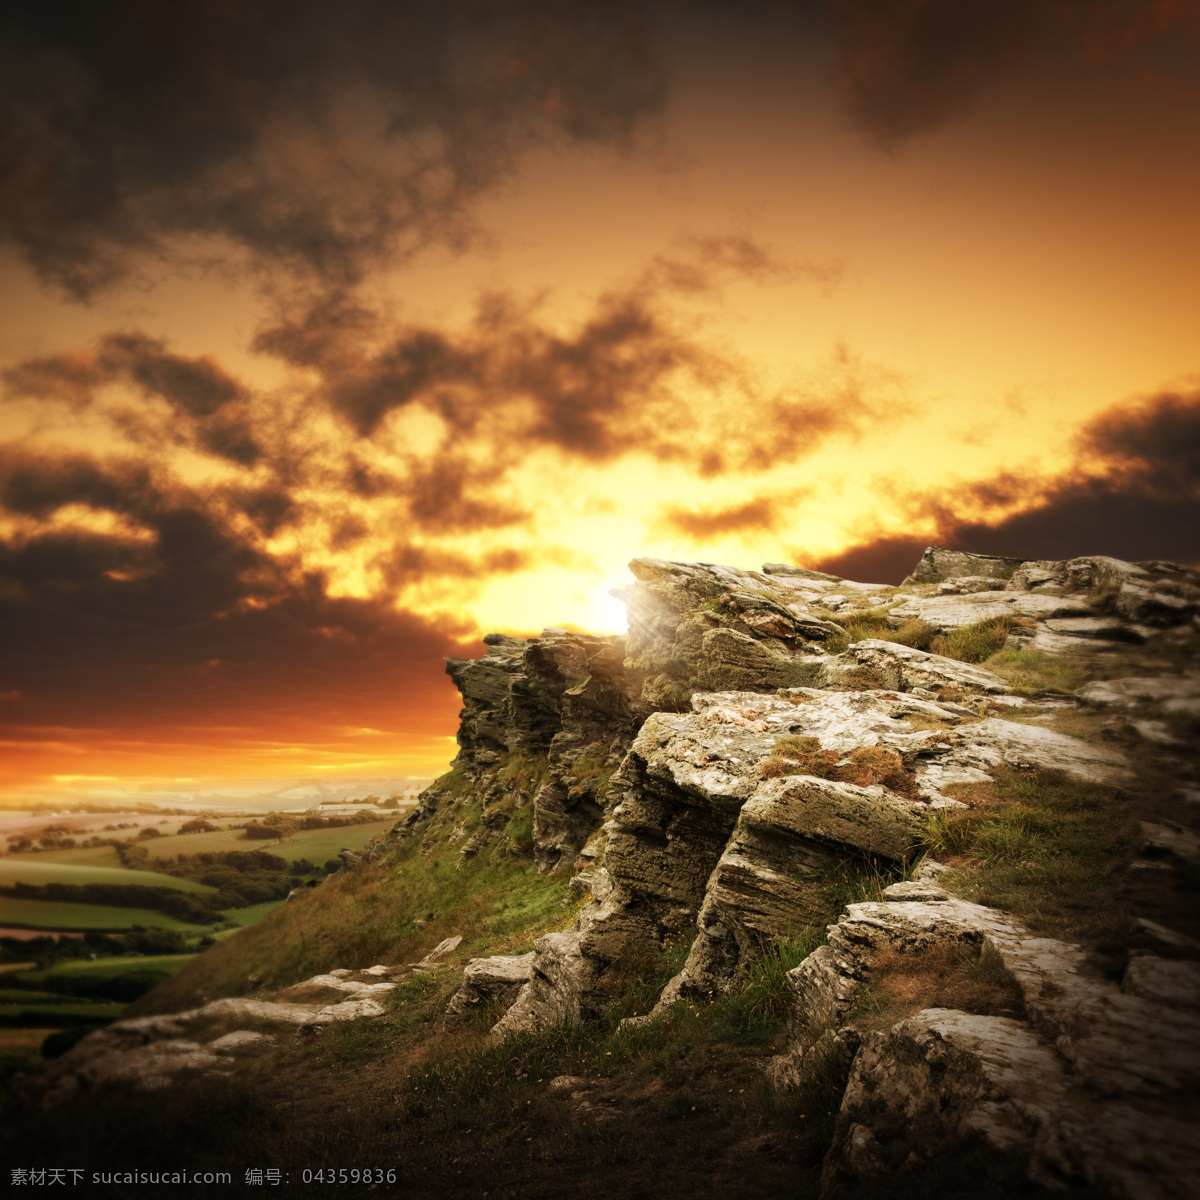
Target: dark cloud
[319,136]
[1135,494]
[762,513]
[209,408]
[192,625]
[908,66]
[614,386]
[1158,442]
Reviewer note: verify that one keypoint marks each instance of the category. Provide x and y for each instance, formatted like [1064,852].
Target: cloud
[762,513]
[194,624]
[908,66]
[317,137]
[633,376]
[206,407]
[1134,493]
[242,555]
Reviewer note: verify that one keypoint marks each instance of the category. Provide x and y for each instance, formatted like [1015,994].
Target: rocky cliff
[765,744]
[969,799]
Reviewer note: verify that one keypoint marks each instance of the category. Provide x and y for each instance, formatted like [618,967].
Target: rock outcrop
[545,721]
[1091,1086]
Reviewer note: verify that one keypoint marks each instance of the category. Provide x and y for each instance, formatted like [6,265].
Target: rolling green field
[318,845]
[44,868]
[249,916]
[102,968]
[52,915]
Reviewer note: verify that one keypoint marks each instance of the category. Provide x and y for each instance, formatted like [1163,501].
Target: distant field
[22,1039]
[80,1013]
[103,968]
[249,916]
[317,845]
[42,868]
[52,915]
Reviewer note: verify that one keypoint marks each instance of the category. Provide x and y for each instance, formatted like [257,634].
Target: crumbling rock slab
[919,1090]
[903,668]
[242,1043]
[972,753]
[434,957]
[767,880]
[558,990]
[1163,980]
[1171,841]
[348,1010]
[1135,690]
[496,978]
[950,612]
[1048,642]
[338,982]
[236,1007]
[939,563]
[1094,1088]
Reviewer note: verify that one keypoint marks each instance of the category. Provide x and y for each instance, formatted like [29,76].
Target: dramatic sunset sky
[336,334]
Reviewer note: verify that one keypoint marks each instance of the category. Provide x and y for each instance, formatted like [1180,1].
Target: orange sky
[333,338]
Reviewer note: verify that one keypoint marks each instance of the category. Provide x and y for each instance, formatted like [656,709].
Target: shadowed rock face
[563,703]
[1091,1086]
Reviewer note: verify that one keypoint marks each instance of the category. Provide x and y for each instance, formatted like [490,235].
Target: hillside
[802,883]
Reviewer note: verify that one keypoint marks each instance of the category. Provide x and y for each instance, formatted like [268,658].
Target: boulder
[938,563]
[497,978]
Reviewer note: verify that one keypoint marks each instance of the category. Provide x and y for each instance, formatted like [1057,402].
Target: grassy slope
[497,902]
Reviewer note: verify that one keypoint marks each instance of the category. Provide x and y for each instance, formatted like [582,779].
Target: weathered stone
[559,990]
[1159,602]
[902,668]
[487,980]
[938,563]
[1164,980]
[968,584]
[434,957]
[950,612]
[768,879]
[348,1010]
[1134,690]
[1048,642]
[798,572]
[920,1090]
[1170,840]
[244,1043]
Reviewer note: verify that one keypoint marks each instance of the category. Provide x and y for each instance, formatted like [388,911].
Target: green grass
[1029,670]
[53,915]
[973,643]
[1053,850]
[105,968]
[361,917]
[36,870]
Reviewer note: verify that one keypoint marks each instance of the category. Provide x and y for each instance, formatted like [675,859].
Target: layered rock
[561,704]
[1093,1085]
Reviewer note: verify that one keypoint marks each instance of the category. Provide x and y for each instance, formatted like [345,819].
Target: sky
[335,335]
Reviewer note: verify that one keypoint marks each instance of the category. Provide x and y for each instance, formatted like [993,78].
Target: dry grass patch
[864,766]
[946,975]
